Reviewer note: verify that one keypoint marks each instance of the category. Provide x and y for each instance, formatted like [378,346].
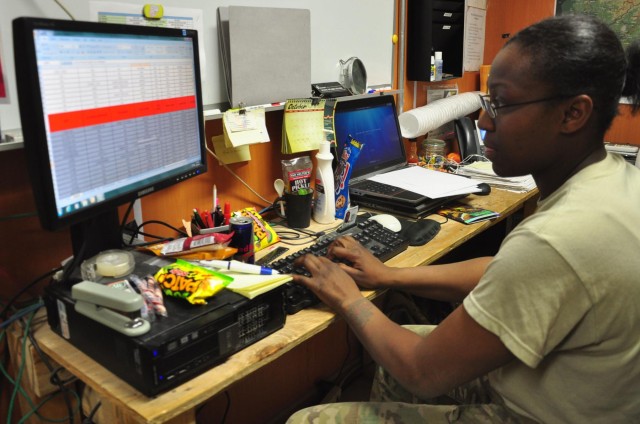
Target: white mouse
[388,221]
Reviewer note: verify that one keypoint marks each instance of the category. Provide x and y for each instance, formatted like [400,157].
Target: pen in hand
[238,266]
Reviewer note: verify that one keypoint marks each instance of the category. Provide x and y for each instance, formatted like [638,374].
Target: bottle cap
[323,151]
[324,147]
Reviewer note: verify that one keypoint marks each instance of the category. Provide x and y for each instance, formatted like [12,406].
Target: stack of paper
[483,171]
[427,182]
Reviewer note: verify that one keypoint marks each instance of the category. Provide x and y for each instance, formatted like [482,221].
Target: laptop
[373,121]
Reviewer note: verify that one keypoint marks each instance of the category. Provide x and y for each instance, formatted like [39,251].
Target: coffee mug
[297,208]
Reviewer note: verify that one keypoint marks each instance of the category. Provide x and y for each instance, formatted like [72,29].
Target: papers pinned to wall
[303,126]
[244,126]
[227,155]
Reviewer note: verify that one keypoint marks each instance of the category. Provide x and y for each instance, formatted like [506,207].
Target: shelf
[11,145]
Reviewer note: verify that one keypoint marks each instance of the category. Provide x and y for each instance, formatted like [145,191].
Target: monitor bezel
[33,124]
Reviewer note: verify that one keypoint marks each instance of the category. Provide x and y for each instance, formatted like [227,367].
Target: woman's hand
[329,282]
[365,269]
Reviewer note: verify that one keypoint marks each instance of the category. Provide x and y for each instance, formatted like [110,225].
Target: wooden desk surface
[178,405]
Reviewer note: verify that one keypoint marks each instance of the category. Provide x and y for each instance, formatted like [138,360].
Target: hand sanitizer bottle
[324,210]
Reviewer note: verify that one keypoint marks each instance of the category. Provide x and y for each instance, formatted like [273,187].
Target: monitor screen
[109,113]
[373,121]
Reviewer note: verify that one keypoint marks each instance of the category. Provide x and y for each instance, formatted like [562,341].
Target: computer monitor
[109,114]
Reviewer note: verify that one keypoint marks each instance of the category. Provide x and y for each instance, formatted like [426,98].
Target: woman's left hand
[329,282]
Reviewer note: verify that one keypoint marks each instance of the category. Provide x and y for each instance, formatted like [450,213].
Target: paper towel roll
[421,120]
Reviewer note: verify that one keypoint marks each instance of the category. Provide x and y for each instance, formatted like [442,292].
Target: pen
[198,219]
[227,212]
[240,267]
[215,197]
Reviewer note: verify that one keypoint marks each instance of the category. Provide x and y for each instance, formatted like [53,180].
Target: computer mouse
[421,232]
[388,221]
[484,189]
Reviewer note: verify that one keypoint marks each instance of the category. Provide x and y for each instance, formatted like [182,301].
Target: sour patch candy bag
[191,282]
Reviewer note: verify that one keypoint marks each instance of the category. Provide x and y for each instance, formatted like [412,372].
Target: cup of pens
[297,208]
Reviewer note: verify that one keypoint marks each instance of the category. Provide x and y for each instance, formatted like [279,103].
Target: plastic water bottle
[324,210]
[439,64]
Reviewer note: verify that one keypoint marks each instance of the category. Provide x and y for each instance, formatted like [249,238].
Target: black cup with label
[297,208]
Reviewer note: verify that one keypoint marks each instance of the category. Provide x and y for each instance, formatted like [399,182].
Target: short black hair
[579,54]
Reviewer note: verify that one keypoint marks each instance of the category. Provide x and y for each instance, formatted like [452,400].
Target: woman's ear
[577,113]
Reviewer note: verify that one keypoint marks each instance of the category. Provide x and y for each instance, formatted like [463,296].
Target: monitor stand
[96,234]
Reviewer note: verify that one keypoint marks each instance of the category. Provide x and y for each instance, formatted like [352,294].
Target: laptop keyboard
[383,243]
[376,187]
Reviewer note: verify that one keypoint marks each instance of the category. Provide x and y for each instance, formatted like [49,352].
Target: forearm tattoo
[359,312]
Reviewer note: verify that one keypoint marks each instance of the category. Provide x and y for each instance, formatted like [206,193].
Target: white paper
[174,17]
[433,184]
[245,127]
[474,30]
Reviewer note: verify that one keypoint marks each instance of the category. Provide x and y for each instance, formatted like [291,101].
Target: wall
[339,30]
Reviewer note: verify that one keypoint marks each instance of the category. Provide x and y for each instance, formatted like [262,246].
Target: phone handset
[467,139]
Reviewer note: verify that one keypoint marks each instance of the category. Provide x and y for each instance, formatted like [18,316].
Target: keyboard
[377,187]
[383,243]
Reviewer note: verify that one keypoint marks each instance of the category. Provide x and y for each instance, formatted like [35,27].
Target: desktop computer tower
[189,341]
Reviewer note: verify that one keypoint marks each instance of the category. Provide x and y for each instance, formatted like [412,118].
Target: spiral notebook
[373,120]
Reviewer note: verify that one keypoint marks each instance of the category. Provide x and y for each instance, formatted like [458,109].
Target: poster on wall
[620,15]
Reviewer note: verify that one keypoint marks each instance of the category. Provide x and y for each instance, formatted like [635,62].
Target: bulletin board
[339,30]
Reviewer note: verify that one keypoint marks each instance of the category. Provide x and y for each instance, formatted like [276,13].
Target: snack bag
[263,234]
[191,282]
[199,247]
[296,173]
[346,162]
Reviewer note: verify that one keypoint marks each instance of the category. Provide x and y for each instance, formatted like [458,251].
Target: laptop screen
[372,121]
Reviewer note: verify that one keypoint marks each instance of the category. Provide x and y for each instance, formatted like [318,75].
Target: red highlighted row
[103,115]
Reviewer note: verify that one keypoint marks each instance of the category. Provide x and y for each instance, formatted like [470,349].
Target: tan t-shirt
[563,295]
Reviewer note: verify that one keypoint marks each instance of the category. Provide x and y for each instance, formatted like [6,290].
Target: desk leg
[108,413]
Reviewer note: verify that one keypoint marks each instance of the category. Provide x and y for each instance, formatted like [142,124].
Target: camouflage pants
[473,402]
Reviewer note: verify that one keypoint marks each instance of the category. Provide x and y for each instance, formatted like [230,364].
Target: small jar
[434,153]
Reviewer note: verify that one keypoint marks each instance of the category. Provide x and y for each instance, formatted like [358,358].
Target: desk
[178,405]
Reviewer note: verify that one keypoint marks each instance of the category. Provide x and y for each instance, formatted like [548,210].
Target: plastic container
[324,209]
[439,63]
[432,69]
[434,153]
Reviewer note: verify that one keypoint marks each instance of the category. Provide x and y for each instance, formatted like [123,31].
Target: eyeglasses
[492,109]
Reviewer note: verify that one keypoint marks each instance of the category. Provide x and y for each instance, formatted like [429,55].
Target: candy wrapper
[199,247]
[152,295]
[263,234]
[297,174]
[346,162]
[191,282]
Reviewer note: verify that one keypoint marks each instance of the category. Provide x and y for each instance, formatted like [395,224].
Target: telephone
[467,139]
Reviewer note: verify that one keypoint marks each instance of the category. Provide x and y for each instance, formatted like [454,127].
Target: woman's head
[554,91]
[576,54]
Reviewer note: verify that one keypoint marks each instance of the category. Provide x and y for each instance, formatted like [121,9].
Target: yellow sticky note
[229,155]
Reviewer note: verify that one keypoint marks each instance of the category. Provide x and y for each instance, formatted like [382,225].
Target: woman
[547,329]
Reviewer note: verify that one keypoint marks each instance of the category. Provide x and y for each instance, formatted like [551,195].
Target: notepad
[303,126]
[252,285]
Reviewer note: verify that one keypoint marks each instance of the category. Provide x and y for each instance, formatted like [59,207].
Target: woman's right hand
[366,270]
